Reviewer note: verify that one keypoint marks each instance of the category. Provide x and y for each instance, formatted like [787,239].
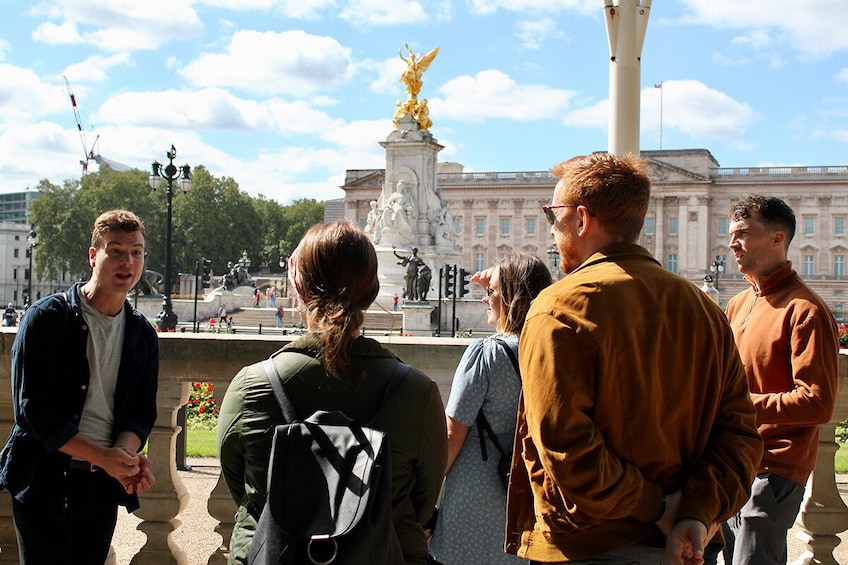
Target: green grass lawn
[201,443]
[842,459]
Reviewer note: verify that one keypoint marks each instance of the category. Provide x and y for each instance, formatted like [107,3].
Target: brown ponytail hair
[334,270]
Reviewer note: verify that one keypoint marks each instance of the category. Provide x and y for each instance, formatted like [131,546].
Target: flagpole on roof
[660,86]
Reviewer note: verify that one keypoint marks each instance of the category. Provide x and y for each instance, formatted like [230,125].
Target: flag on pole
[658,85]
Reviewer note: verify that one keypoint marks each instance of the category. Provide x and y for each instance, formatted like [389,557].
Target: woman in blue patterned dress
[470,526]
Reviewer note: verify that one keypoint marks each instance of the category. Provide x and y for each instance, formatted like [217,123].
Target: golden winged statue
[411,77]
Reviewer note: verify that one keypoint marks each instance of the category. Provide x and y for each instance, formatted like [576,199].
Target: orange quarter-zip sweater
[788,342]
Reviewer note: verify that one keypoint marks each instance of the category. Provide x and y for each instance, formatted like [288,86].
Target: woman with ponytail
[333,367]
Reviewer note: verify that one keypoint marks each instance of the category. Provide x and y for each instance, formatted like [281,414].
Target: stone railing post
[220,504]
[824,514]
[168,497]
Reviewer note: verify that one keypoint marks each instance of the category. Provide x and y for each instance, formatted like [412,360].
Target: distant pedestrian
[280,314]
[271,295]
[255,297]
[222,314]
[395,302]
[10,316]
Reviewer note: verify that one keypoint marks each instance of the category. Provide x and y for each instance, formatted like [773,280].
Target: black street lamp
[167,320]
[32,239]
[717,268]
[553,262]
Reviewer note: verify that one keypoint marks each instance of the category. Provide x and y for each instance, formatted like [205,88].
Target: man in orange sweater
[787,339]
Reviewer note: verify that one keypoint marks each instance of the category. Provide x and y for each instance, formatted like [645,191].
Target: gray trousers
[757,534]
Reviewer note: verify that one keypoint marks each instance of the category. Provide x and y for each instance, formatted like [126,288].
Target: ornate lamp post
[167,319]
[32,239]
[717,268]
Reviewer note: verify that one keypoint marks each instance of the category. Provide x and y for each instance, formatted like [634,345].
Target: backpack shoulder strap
[483,426]
[283,399]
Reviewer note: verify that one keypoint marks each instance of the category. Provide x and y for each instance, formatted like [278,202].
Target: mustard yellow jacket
[632,388]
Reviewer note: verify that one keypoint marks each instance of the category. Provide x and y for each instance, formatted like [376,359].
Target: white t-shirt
[105,340]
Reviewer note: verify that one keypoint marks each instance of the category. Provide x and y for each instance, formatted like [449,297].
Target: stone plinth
[416,318]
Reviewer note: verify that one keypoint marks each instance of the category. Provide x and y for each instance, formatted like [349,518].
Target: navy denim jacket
[50,380]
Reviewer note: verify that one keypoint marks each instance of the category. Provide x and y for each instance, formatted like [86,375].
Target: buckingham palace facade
[686,227]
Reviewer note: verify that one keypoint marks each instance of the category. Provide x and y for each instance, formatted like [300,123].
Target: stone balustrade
[217,357]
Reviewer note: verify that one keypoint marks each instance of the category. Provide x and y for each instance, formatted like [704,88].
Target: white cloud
[25,96]
[842,75]
[388,74]
[117,25]
[297,9]
[533,34]
[291,62]
[483,7]
[695,109]
[493,94]
[94,68]
[213,109]
[813,28]
[383,12]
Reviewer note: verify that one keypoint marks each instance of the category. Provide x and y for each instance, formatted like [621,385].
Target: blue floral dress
[472,515]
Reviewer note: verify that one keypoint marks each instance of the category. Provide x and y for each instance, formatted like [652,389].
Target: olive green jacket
[413,419]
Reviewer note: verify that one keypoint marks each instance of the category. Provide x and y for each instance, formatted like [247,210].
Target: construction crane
[87,152]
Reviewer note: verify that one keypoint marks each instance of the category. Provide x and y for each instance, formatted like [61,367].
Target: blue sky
[285,95]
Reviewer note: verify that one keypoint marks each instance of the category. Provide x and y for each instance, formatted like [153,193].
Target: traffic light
[464,281]
[450,282]
[206,277]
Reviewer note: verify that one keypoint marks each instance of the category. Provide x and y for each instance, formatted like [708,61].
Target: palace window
[479,262]
[672,226]
[809,225]
[504,226]
[809,265]
[839,265]
[672,262]
[721,228]
[531,226]
[649,225]
[480,226]
[839,225]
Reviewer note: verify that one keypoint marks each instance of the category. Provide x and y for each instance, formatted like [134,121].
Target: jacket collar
[615,252]
[772,282]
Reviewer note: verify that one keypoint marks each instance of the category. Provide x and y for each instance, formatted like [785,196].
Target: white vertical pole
[627,21]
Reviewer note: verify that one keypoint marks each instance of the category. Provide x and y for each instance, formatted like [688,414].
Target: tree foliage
[213,220]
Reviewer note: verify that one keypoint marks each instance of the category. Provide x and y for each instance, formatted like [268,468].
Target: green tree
[298,217]
[217,221]
[58,246]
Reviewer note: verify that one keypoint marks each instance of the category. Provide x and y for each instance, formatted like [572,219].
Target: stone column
[168,497]
[220,504]
[824,514]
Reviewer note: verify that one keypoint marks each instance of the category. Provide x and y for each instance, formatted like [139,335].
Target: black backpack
[329,489]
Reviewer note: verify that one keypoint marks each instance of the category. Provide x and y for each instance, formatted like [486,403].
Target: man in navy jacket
[84,380]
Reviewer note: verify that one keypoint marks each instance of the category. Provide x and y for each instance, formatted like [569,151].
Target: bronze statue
[412,264]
